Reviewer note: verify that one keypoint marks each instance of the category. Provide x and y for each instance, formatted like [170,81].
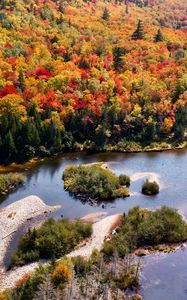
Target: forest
[90,75]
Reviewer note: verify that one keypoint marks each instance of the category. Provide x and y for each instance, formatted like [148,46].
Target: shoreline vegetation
[10,182]
[9,278]
[95,183]
[137,148]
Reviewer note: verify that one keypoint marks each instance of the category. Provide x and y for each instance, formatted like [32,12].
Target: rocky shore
[15,220]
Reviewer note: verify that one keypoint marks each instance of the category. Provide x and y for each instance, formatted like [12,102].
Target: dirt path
[101,230]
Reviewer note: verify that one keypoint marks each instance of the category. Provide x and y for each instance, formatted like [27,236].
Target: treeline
[40,136]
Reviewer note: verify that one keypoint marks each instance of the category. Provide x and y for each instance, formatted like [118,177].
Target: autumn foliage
[61,275]
[71,79]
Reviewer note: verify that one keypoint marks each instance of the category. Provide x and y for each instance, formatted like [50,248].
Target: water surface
[164,276]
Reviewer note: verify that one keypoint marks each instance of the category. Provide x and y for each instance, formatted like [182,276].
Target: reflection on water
[161,274]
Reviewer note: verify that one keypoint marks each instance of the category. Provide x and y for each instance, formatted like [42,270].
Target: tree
[139,32]
[61,275]
[9,148]
[106,14]
[118,52]
[159,37]
[12,104]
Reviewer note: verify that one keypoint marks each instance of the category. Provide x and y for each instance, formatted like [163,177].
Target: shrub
[52,240]
[28,285]
[81,265]
[61,275]
[145,228]
[150,188]
[93,181]
[124,180]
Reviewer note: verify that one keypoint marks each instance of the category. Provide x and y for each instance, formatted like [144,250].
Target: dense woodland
[88,74]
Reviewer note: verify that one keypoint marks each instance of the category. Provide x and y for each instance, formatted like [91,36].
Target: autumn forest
[91,75]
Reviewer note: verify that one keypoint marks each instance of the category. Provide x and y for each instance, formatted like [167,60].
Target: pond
[164,276]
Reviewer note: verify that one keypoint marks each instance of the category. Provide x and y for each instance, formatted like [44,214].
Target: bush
[61,275]
[81,266]
[150,188]
[52,240]
[28,285]
[124,180]
[145,228]
[93,181]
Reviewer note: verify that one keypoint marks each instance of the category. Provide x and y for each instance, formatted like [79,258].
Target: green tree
[106,14]
[159,37]
[139,32]
[9,148]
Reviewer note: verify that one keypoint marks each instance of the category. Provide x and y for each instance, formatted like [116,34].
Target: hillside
[78,75]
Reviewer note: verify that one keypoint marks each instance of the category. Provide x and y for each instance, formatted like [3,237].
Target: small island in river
[95,182]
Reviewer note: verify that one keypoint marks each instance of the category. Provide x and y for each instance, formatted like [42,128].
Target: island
[150,188]
[94,182]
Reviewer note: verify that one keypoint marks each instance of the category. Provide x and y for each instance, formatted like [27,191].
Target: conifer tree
[159,36]
[21,81]
[106,14]
[118,52]
[9,148]
[139,32]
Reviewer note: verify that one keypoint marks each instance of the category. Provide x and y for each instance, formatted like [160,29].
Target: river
[164,276]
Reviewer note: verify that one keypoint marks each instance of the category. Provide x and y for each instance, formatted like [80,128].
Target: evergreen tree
[118,52]
[21,81]
[106,14]
[159,36]
[139,32]
[127,8]
[9,148]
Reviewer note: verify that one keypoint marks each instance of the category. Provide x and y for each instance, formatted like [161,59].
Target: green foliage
[150,188]
[106,14]
[81,266]
[10,181]
[159,36]
[28,285]
[145,228]
[124,180]
[52,240]
[93,181]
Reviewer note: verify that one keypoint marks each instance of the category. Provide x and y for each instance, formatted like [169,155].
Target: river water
[164,276]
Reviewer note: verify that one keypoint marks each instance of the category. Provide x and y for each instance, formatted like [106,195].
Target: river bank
[102,228]
[136,148]
[15,220]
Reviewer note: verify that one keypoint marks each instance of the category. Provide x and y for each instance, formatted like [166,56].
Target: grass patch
[10,181]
